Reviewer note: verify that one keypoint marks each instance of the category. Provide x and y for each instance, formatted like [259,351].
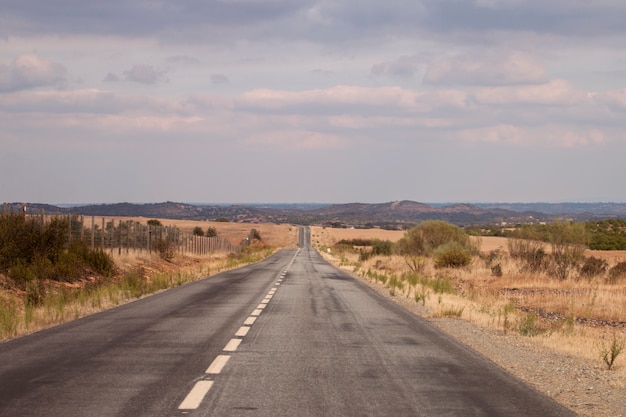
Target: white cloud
[553,93]
[31,71]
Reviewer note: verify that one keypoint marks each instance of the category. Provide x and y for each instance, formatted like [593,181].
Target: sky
[331,101]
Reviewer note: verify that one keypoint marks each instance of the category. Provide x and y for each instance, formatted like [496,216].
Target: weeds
[610,350]
[451,312]
[528,325]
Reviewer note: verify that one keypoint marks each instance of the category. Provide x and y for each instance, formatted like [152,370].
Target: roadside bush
[211,232]
[530,252]
[197,231]
[568,241]
[164,247]
[452,255]
[617,272]
[593,267]
[427,239]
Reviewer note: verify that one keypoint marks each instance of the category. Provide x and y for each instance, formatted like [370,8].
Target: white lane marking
[266,300]
[250,321]
[218,364]
[243,330]
[261,306]
[232,345]
[256,312]
[272,291]
[278,283]
[196,395]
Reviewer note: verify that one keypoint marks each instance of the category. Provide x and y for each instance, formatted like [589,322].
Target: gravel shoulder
[583,386]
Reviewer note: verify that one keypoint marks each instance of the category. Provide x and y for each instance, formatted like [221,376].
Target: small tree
[197,231]
[568,247]
[425,239]
[154,223]
[211,232]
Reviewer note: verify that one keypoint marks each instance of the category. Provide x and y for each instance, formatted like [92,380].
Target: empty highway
[289,336]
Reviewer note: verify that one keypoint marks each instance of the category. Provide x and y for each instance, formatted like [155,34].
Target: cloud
[219,79]
[301,140]
[31,71]
[84,101]
[183,60]
[490,68]
[111,78]
[552,93]
[405,66]
[145,74]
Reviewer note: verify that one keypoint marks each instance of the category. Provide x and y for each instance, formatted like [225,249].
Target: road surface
[289,336]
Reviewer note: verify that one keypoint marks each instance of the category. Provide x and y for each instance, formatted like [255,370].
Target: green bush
[30,251]
[452,255]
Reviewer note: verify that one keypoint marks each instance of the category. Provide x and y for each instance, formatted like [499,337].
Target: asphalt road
[289,336]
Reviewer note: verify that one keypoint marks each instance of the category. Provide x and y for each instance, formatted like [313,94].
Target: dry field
[574,316]
[278,235]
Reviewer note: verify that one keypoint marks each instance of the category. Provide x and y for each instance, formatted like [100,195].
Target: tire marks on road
[202,387]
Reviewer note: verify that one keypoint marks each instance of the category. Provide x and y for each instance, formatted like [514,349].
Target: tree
[211,232]
[197,231]
[154,223]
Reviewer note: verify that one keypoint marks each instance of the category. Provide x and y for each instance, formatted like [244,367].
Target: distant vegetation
[599,235]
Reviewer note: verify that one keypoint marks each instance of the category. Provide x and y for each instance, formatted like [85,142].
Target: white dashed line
[218,364]
[243,330]
[196,395]
[256,312]
[250,321]
[266,300]
[232,345]
[261,306]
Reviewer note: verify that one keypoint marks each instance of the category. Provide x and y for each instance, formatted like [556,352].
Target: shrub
[530,252]
[593,267]
[528,325]
[496,270]
[609,351]
[164,247]
[211,232]
[452,255]
[197,231]
[617,272]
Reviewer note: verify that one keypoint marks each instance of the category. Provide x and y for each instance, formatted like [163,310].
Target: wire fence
[123,236]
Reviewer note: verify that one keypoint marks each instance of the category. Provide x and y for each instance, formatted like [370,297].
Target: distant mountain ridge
[391,214]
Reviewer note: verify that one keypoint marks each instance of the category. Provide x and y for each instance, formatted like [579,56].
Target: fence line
[120,236]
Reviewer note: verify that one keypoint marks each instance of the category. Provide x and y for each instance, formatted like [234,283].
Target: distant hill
[395,214]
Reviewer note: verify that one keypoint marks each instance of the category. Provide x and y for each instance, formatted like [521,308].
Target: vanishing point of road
[288,336]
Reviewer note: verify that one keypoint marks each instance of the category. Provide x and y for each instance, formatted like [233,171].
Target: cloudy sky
[229,101]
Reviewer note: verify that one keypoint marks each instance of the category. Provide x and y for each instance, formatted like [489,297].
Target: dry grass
[278,235]
[66,301]
[570,316]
